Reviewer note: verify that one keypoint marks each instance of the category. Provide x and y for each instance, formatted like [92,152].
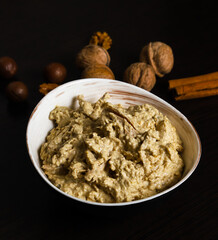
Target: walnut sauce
[106,153]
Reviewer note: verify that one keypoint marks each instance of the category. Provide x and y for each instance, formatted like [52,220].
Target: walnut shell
[98,71]
[141,75]
[159,55]
[92,54]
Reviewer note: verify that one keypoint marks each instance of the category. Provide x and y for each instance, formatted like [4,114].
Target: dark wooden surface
[36,33]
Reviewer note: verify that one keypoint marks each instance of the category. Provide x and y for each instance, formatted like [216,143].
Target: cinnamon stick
[183,89]
[197,94]
[184,81]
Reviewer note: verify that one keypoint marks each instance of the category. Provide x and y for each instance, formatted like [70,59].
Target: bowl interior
[120,92]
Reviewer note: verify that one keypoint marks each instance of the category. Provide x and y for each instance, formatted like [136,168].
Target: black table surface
[36,33]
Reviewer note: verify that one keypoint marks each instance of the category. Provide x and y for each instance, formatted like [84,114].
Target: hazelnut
[17,91]
[141,75]
[92,54]
[8,67]
[98,71]
[55,72]
[159,55]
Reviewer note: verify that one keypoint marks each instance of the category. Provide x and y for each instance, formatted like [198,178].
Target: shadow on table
[68,208]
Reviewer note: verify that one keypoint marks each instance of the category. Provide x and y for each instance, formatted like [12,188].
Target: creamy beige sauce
[107,153]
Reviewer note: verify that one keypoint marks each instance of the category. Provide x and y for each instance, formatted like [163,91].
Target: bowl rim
[42,174]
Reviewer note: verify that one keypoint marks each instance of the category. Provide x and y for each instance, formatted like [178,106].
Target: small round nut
[55,72]
[17,91]
[8,67]
[98,71]
[92,54]
[159,55]
[141,75]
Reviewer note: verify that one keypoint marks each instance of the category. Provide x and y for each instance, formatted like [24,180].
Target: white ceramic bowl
[124,93]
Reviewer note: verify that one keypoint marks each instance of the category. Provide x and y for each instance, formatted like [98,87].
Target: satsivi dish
[123,93]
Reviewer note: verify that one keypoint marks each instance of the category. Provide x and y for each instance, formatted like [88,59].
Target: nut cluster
[94,61]
[155,58]
[16,91]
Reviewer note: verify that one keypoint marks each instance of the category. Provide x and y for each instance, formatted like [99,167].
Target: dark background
[36,33]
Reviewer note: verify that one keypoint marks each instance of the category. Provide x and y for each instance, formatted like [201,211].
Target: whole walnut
[97,71]
[141,75]
[92,54]
[159,55]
